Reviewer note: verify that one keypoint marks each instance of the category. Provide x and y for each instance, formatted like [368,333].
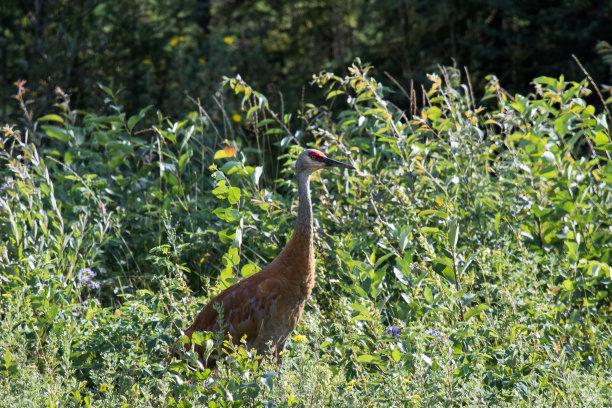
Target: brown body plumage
[267,306]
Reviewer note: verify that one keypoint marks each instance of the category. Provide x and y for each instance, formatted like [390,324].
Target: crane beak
[335,163]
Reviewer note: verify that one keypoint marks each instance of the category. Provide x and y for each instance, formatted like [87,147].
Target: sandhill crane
[267,306]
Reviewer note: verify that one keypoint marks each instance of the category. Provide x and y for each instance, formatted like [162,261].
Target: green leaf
[600,139]
[268,379]
[400,276]
[252,110]
[226,236]
[248,270]
[434,113]
[256,175]
[226,277]
[132,121]
[197,338]
[184,157]
[226,152]
[237,238]
[358,290]
[467,298]
[264,122]
[475,311]
[544,80]
[396,355]
[561,124]
[233,195]
[445,271]
[453,233]
[427,295]
[404,237]
[56,132]
[366,358]
[469,262]
[274,131]
[334,93]
[364,313]
[221,190]
[52,118]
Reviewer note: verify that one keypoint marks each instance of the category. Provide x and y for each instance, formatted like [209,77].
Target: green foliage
[466,262]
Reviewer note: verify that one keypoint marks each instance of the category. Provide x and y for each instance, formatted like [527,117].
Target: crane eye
[317,156]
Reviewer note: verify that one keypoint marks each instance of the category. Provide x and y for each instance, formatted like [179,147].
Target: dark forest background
[158,52]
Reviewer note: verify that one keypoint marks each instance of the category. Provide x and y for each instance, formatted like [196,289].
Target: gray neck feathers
[304,215]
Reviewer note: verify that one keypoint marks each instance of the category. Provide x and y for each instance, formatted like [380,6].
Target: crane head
[311,160]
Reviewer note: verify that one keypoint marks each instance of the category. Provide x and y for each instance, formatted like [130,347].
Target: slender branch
[596,89]
[457,285]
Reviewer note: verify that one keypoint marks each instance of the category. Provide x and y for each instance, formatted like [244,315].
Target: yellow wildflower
[202,61]
[300,337]
[146,61]
[236,117]
[228,40]
[174,41]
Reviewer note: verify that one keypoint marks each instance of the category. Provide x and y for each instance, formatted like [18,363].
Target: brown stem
[598,93]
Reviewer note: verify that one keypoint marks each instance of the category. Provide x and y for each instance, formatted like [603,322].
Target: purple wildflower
[394,331]
[86,277]
[436,334]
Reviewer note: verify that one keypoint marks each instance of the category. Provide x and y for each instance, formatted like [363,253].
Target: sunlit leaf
[226,152]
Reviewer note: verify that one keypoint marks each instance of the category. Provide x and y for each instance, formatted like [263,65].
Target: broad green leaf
[600,139]
[366,358]
[475,311]
[396,355]
[226,277]
[197,338]
[233,195]
[544,80]
[268,379]
[360,308]
[427,295]
[248,270]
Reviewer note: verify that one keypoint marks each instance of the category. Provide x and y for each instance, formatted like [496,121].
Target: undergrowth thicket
[466,262]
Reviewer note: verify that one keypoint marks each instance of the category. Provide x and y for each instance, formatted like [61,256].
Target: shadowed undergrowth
[467,262]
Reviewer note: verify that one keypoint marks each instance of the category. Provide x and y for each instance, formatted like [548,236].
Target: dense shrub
[466,262]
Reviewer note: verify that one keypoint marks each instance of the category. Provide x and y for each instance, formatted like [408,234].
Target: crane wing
[247,307]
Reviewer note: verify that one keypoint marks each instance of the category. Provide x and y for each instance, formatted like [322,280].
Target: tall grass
[467,262]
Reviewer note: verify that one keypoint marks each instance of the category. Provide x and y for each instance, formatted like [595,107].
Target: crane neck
[303,225]
[296,260]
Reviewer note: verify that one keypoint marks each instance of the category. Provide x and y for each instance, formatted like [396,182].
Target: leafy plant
[466,262]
